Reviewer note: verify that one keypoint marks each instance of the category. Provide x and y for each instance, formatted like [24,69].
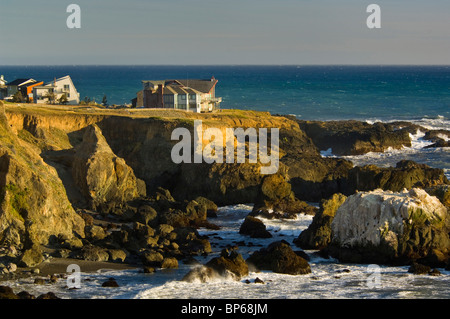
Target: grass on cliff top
[246,118]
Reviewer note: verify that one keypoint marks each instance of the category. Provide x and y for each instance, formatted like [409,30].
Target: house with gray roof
[190,95]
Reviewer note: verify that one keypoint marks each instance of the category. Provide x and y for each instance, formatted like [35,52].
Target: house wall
[62,86]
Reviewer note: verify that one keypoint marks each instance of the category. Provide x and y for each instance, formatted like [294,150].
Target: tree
[63,99]
[104,100]
[50,96]
[17,97]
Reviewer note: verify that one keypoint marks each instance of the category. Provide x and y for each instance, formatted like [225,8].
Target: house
[27,90]
[16,85]
[53,91]
[190,95]
[3,87]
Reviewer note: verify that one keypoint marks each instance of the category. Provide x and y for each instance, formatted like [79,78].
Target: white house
[60,87]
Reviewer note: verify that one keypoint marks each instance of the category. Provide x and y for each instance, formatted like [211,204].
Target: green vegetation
[18,200]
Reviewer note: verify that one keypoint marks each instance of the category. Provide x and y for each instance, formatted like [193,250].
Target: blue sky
[224,32]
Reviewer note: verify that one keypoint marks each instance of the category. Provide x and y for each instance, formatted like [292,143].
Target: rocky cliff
[57,161]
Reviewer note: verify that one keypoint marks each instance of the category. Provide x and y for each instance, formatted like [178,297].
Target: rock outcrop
[407,174]
[33,204]
[355,137]
[254,227]
[104,178]
[391,228]
[318,234]
[280,258]
[276,199]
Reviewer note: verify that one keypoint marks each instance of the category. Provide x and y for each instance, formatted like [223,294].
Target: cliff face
[57,160]
[34,206]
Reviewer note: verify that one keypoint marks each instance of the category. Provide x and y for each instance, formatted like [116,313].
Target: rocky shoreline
[100,189]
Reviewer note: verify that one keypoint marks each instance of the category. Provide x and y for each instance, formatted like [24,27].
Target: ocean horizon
[310,92]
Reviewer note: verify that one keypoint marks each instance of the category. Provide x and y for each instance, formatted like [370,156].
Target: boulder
[387,227]
[318,233]
[230,261]
[152,258]
[280,258]
[211,207]
[31,257]
[92,253]
[7,293]
[254,227]
[169,263]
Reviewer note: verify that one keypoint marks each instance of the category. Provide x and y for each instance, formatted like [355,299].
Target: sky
[224,32]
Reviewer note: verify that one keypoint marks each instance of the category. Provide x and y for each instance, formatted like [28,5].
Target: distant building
[190,95]
[27,90]
[3,88]
[59,87]
[16,85]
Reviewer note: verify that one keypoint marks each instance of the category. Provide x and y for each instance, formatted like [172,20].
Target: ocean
[309,92]
[420,94]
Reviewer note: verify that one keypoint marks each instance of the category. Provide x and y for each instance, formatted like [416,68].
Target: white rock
[366,217]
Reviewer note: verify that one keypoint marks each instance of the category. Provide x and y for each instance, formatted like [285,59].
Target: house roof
[32,84]
[204,86]
[198,85]
[19,82]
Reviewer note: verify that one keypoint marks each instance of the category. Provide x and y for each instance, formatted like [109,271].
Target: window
[66,87]
[192,97]
[183,97]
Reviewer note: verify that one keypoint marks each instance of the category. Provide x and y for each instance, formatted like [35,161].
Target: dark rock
[110,283]
[318,233]
[152,258]
[92,253]
[277,200]
[407,174]
[211,207]
[280,258]
[418,269]
[31,257]
[169,263]
[258,281]
[355,137]
[48,295]
[254,227]
[148,270]
[7,293]
[39,281]
[435,272]
[229,261]
[25,295]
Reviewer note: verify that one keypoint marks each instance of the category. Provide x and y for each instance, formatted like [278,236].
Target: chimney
[160,95]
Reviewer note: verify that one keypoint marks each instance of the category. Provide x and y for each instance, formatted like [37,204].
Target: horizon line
[287,64]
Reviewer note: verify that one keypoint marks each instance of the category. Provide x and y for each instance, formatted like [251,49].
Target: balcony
[212,100]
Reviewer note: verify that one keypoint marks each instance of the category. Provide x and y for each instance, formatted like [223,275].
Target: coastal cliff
[62,166]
